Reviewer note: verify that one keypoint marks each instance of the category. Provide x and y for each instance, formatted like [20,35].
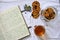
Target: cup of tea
[40,32]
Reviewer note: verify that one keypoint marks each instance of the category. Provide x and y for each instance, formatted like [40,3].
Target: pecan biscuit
[35,16]
[37,8]
[35,12]
[35,3]
[49,13]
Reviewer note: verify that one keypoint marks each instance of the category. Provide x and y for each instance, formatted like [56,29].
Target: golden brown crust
[35,12]
[36,9]
[36,3]
[36,6]
[49,13]
[35,16]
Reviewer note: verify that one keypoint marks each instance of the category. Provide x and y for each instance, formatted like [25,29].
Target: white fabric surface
[52,32]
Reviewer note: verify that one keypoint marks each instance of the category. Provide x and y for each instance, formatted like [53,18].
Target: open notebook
[12,25]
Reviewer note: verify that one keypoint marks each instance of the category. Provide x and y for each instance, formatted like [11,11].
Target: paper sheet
[13,25]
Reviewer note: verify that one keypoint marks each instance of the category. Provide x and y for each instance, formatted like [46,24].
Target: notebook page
[13,24]
[1,35]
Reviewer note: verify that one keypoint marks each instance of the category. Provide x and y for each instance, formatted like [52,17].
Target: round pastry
[35,16]
[49,13]
[50,10]
[36,3]
[35,12]
[36,8]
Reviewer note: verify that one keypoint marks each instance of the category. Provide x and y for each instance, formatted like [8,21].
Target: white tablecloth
[52,33]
